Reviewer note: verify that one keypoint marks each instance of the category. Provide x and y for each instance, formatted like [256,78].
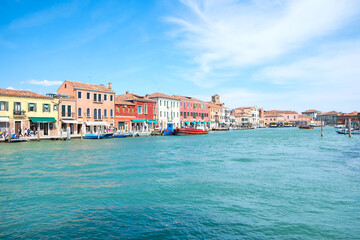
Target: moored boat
[121,135]
[306,127]
[93,136]
[342,131]
[190,131]
[107,135]
[169,130]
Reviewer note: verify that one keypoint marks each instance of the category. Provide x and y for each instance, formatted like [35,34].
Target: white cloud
[236,34]
[45,82]
[11,88]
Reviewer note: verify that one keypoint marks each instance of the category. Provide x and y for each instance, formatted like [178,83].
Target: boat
[273,125]
[220,129]
[190,131]
[306,127]
[93,136]
[342,131]
[141,134]
[169,130]
[121,135]
[107,135]
[339,126]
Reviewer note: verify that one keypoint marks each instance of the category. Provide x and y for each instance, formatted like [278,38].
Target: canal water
[257,184]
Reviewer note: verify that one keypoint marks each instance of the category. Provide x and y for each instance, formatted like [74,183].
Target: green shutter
[35,109]
[43,106]
[28,107]
[50,107]
[7,106]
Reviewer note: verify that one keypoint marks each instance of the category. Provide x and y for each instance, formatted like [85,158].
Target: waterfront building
[168,109]
[124,112]
[253,112]
[143,112]
[216,112]
[329,118]
[93,108]
[272,118]
[21,110]
[192,110]
[243,119]
[345,117]
[312,112]
[289,116]
[305,119]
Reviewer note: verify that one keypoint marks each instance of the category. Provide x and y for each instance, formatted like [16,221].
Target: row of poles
[347,126]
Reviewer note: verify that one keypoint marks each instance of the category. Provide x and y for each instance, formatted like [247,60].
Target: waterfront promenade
[259,184]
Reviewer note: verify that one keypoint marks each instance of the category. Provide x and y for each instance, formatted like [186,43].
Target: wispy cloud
[241,34]
[45,16]
[45,82]
[10,88]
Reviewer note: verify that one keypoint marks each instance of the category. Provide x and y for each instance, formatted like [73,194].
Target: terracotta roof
[123,102]
[89,86]
[160,95]
[242,115]
[133,97]
[213,105]
[21,93]
[312,111]
[348,114]
[281,112]
[329,113]
[241,108]
[185,98]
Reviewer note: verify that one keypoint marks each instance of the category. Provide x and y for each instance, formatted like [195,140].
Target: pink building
[289,116]
[86,105]
[192,110]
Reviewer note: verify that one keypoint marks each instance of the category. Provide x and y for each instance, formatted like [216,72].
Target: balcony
[19,113]
[98,101]
[68,116]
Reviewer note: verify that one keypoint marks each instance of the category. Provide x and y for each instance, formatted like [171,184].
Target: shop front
[46,126]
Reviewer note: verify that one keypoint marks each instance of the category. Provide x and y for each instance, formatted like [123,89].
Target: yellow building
[22,110]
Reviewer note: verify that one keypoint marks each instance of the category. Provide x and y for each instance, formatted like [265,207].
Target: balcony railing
[19,113]
[98,101]
[68,116]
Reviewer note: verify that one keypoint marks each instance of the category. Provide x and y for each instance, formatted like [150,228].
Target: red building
[133,110]
[192,110]
[342,117]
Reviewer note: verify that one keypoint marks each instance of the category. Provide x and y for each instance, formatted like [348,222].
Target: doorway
[46,129]
[17,127]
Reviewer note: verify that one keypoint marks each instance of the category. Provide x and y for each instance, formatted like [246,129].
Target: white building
[168,109]
[252,114]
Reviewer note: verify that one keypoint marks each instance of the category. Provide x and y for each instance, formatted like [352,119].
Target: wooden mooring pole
[322,128]
[349,127]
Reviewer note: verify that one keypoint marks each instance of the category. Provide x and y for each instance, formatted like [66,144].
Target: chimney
[127,92]
[110,85]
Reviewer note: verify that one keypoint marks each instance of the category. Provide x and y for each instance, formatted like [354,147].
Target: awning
[4,119]
[96,123]
[193,122]
[186,122]
[152,121]
[42,119]
[209,122]
[70,121]
[138,120]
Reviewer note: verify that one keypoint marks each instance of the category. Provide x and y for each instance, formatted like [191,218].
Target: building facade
[253,112]
[217,112]
[93,109]
[192,111]
[22,110]
[345,117]
[168,109]
[312,113]
[329,118]
[124,112]
[143,112]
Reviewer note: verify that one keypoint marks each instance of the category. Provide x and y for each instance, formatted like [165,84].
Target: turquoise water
[255,184]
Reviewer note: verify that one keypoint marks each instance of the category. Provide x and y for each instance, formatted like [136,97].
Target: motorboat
[169,130]
[93,136]
[306,127]
[343,131]
[122,135]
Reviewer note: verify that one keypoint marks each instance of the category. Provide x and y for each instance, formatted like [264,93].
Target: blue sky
[281,54]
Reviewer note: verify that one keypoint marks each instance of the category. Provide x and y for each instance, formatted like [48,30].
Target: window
[180,104]
[181,114]
[99,113]
[123,109]
[177,114]
[95,97]
[88,95]
[46,107]
[79,94]
[4,106]
[99,97]
[63,110]
[55,107]
[17,106]
[79,112]
[69,110]
[160,102]
[187,104]
[145,109]
[160,113]
[111,113]
[88,112]
[133,109]
[95,113]
[128,109]
[32,107]
[105,97]
[139,109]
[154,110]
[105,113]
[111,97]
